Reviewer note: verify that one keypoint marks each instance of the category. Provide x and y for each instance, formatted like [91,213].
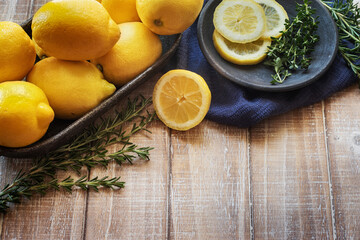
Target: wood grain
[209,183]
[342,121]
[289,177]
[140,210]
[294,176]
[343,136]
[57,215]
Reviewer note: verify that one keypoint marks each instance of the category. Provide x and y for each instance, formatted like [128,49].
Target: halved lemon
[275,18]
[181,99]
[240,21]
[241,53]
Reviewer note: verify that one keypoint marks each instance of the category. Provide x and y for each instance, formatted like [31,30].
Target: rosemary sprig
[347,18]
[69,183]
[89,149]
[292,49]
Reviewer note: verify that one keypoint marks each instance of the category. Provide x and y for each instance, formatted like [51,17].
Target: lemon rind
[227,54]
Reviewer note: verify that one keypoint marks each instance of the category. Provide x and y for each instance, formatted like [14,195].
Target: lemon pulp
[240,21]
[275,18]
[181,99]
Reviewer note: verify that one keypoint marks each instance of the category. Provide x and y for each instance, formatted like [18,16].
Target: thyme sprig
[89,149]
[347,18]
[292,49]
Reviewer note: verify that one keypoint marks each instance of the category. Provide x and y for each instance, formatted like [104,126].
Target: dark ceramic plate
[61,131]
[259,76]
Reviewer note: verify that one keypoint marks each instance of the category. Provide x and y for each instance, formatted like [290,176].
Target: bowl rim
[42,146]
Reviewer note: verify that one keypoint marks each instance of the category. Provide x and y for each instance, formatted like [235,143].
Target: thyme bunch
[347,18]
[89,149]
[292,49]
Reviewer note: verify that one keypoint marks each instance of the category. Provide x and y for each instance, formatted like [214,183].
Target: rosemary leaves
[292,49]
[347,18]
[89,149]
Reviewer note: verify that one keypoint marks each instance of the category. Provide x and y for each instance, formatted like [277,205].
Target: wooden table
[294,176]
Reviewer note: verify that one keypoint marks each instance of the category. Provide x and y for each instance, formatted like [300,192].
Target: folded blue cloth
[232,104]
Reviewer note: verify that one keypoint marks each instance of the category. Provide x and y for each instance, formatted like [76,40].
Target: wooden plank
[209,183]
[8,10]
[140,210]
[343,136]
[289,177]
[344,153]
[23,10]
[58,215]
[36,4]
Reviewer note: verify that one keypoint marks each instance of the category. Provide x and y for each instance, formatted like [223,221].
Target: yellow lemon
[181,99]
[122,10]
[17,52]
[39,51]
[166,17]
[74,30]
[240,21]
[72,87]
[275,18]
[241,53]
[25,114]
[137,49]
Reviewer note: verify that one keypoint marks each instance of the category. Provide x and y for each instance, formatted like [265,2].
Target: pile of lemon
[87,49]
[243,29]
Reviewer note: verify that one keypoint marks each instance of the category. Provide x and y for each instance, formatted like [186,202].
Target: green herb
[347,18]
[292,50]
[89,149]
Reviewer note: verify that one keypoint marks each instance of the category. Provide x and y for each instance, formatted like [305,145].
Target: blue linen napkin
[234,105]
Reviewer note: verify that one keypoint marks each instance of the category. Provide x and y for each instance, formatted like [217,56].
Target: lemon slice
[240,21]
[241,53]
[275,18]
[181,99]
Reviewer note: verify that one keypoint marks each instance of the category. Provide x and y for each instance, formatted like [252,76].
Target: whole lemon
[25,113]
[17,52]
[39,52]
[72,87]
[166,17]
[122,10]
[137,49]
[74,30]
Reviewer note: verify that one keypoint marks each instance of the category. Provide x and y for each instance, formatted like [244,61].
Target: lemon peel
[241,53]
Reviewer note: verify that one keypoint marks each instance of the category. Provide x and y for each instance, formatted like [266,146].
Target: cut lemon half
[181,99]
[275,18]
[240,21]
[241,53]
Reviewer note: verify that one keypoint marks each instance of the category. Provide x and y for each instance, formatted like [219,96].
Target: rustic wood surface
[294,176]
